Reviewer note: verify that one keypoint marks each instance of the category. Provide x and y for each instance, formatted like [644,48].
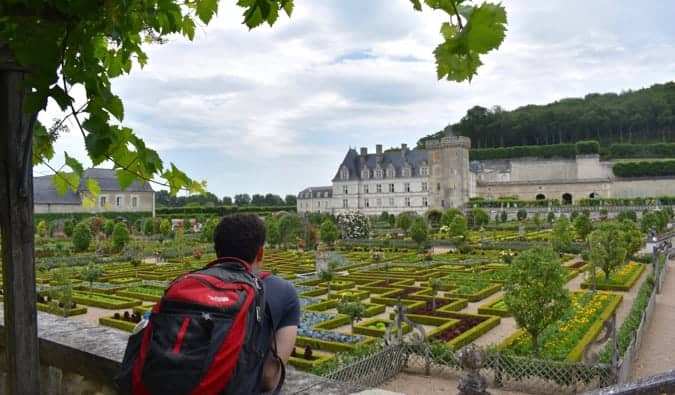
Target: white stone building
[441,176]
[136,197]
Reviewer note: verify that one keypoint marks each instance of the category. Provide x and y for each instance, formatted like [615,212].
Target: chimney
[378,149]
[364,151]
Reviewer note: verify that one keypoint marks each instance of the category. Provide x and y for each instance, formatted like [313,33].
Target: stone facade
[441,176]
[138,197]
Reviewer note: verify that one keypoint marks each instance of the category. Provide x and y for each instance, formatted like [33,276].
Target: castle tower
[449,170]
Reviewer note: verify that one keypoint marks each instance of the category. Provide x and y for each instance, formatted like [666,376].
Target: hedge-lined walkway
[657,352]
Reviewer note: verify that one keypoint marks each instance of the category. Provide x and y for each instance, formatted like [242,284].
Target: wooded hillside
[641,116]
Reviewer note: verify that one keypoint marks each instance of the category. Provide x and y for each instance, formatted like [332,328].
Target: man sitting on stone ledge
[243,236]
[228,328]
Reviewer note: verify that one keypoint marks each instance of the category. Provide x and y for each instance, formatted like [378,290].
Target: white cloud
[279,106]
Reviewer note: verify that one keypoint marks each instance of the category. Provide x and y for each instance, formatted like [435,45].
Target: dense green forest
[640,116]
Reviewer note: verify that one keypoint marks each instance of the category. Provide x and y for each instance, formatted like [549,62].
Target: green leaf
[115,107]
[60,96]
[486,28]
[64,181]
[93,187]
[125,178]
[43,148]
[206,9]
[189,27]
[287,5]
[74,164]
[416,5]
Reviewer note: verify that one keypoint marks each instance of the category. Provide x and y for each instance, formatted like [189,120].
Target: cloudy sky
[275,109]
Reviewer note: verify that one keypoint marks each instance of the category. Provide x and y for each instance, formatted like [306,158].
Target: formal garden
[463,278]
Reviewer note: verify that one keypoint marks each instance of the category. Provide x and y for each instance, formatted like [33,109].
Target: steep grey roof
[316,192]
[399,158]
[44,192]
[107,180]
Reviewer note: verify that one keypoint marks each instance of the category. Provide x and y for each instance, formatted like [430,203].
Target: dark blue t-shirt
[283,302]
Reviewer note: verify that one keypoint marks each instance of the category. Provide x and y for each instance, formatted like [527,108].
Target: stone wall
[146,203]
[78,358]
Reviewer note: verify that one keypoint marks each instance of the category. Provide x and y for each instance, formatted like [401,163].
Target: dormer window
[378,173]
[405,172]
[344,174]
[390,173]
[424,171]
[365,174]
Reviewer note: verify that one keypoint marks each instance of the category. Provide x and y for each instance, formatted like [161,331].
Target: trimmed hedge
[474,333]
[662,168]
[577,352]
[326,345]
[121,302]
[322,306]
[587,147]
[119,324]
[71,312]
[538,151]
[625,287]
[480,295]
[303,364]
[487,309]
[222,210]
[130,216]
[362,328]
[340,320]
[628,151]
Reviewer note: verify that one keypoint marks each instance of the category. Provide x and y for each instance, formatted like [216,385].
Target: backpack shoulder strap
[262,275]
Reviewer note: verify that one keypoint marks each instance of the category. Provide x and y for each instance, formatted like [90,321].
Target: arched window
[541,196]
[593,195]
[567,198]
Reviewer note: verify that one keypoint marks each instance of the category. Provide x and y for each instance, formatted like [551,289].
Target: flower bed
[622,279]
[351,295]
[496,307]
[377,327]
[566,338]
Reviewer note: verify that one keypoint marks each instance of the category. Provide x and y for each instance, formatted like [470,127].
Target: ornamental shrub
[81,237]
[149,227]
[587,147]
[68,227]
[120,235]
[109,227]
[521,214]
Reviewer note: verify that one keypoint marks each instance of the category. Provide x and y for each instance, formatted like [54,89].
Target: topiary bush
[120,235]
[81,237]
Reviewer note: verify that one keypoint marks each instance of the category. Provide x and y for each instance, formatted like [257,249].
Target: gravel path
[657,351]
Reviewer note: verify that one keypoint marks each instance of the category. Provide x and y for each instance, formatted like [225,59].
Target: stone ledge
[95,352]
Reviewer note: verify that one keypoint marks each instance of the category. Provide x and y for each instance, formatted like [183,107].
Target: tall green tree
[582,226]
[561,237]
[535,291]
[419,230]
[608,246]
[479,217]
[90,274]
[120,235]
[458,229]
[328,232]
[404,220]
[81,237]
[354,309]
[449,215]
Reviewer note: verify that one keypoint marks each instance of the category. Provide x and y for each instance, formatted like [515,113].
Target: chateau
[441,176]
[137,197]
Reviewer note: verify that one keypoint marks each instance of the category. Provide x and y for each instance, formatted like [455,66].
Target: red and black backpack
[205,336]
